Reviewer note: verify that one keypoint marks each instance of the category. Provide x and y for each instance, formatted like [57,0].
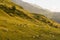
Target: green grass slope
[18,24]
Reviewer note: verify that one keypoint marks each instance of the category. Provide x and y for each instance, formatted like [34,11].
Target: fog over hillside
[39,10]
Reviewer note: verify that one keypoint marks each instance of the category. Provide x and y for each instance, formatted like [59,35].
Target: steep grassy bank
[18,24]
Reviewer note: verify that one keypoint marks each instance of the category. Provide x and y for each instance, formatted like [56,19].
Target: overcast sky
[53,5]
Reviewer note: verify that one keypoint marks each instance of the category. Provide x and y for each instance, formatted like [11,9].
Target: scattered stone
[4,29]
[33,36]
[37,35]
[52,35]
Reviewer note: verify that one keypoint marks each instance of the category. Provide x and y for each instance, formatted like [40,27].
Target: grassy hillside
[18,24]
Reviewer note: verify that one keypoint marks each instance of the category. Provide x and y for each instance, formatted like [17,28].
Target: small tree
[13,8]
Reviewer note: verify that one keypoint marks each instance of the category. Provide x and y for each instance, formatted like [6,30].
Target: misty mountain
[56,16]
[32,8]
[37,9]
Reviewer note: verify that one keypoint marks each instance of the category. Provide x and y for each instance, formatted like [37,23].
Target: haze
[52,5]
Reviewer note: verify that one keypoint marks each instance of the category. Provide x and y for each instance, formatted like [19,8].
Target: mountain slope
[18,24]
[56,16]
[32,8]
[36,9]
